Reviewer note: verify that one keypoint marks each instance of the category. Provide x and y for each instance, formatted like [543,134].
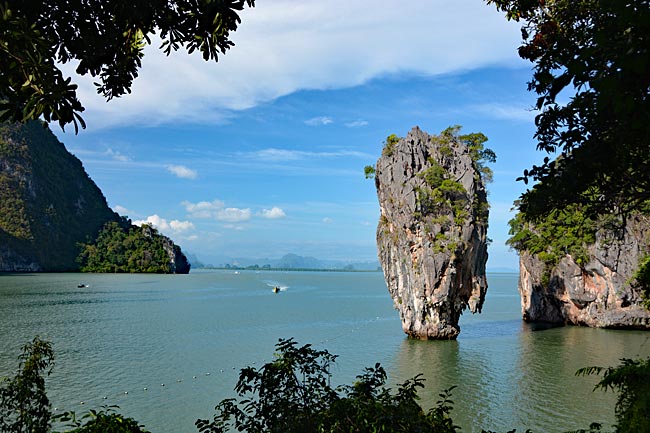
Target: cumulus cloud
[173,227]
[273,213]
[203,209]
[319,121]
[284,46]
[233,215]
[182,171]
[216,209]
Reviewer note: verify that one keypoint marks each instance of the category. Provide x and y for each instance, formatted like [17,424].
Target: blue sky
[262,154]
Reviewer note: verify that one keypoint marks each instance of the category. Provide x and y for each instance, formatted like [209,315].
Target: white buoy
[126,392]
[145,388]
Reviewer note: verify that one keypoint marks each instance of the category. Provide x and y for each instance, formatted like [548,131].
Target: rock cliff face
[178,263]
[47,201]
[598,294]
[49,205]
[432,229]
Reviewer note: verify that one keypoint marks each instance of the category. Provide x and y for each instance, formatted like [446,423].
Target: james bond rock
[432,231]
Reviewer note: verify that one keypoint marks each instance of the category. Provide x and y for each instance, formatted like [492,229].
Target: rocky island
[432,231]
[49,207]
[581,270]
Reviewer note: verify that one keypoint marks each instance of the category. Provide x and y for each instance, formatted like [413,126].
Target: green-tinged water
[125,333]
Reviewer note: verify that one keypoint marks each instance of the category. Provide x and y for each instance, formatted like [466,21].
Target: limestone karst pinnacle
[432,231]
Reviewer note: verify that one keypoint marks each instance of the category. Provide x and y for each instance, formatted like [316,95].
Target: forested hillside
[48,203]
[49,208]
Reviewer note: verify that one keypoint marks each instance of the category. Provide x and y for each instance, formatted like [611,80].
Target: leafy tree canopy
[24,406]
[106,38]
[293,393]
[631,380]
[123,247]
[592,77]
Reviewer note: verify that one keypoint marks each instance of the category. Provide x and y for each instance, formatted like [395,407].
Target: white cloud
[182,171]
[278,154]
[233,215]
[121,210]
[203,209]
[273,154]
[273,213]
[284,46]
[319,121]
[216,209]
[328,220]
[167,227]
[180,226]
[357,123]
[117,156]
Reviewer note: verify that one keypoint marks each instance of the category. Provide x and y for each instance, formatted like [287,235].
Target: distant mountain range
[289,261]
[295,261]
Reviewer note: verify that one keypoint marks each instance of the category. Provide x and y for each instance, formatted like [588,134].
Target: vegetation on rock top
[125,248]
[567,231]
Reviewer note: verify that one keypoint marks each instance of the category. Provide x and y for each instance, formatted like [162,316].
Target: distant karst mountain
[49,205]
[295,261]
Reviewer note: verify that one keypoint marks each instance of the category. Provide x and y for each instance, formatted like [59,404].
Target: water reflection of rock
[548,363]
[523,379]
[469,367]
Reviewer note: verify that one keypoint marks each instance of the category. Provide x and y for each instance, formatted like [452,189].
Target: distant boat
[276,289]
[81,286]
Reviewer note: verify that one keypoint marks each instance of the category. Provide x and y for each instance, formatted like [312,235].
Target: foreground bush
[293,393]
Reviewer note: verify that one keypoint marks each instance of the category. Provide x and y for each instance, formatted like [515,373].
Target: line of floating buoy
[162,385]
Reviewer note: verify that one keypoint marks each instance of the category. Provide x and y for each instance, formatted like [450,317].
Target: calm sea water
[193,333]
